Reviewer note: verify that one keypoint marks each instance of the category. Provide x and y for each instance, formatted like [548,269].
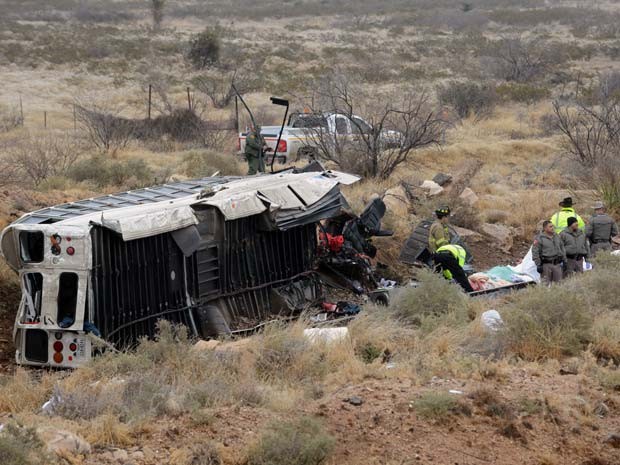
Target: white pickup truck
[297,140]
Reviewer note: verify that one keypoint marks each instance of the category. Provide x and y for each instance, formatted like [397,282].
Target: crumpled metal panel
[150,223]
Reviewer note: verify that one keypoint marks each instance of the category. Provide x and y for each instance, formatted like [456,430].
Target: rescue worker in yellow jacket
[450,259]
[439,234]
[560,218]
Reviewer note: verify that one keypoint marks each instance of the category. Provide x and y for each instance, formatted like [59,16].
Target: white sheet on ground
[527,267]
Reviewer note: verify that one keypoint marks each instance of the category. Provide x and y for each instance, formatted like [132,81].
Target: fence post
[21,109]
[44,119]
[236,114]
[150,93]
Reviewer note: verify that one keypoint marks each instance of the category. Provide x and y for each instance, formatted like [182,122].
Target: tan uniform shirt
[438,236]
[547,248]
[601,228]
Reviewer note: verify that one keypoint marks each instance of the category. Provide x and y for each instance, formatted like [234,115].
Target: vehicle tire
[307,153]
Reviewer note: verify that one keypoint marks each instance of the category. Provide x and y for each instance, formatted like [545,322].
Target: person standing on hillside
[575,245]
[601,229]
[450,259]
[439,234]
[548,254]
[560,219]
[254,151]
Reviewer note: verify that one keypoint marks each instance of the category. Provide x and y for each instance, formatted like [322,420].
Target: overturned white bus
[219,255]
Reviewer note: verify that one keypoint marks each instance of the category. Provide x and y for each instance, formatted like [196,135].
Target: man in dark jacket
[548,254]
[576,246]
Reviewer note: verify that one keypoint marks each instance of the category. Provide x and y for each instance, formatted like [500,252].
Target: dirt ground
[386,430]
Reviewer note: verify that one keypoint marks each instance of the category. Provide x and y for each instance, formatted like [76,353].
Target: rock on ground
[432,188]
[469,196]
[503,235]
[397,201]
[62,442]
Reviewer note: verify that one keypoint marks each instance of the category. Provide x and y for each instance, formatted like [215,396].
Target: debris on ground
[326,335]
[491,320]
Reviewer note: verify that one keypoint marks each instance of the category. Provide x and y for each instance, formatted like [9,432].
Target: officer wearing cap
[601,229]
[560,219]
[439,233]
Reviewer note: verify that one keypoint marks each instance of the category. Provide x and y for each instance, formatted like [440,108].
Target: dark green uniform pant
[253,164]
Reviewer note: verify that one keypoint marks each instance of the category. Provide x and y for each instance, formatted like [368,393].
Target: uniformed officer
[548,254]
[576,247]
[560,219]
[450,259]
[439,234]
[601,229]
[254,151]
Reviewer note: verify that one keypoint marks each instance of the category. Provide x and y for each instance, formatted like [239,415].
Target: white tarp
[527,267]
[149,223]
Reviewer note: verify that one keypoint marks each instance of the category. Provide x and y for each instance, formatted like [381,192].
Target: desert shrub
[606,338]
[102,171]
[433,302]
[522,93]
[206,163]
[37,158]
[547,322]
[22,391]
[21,446]
[495,216]
[197,454]
[303,441]
[468,98]
[10,118]
[602,288]
[439,406]
[285,354]
[204,48]
[607,262]
[108,430]
[610,379]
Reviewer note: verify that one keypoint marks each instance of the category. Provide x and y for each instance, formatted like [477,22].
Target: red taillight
[58,346]
[58,357]
[73,347]
[70,250]
[282,146]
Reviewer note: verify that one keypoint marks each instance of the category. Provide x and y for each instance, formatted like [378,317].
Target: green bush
[285,354]
[602,287]
[102,172]
[522,93]
[204,48]
[299,442]
[434,302]
[468,98]
[206,163]
[547,322]
[439,406]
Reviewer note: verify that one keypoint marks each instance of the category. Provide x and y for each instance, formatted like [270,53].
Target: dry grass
[24,391]
[545,322]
